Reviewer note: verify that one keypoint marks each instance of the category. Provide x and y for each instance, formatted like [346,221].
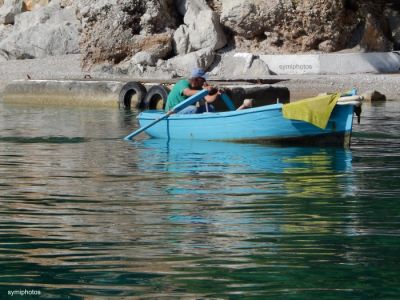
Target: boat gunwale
[153,114]
[145,115]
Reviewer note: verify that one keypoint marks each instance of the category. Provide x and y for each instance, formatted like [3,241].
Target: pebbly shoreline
[68,67]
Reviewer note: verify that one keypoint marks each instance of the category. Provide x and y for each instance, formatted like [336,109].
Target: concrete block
[63,92]
[355,63]
[292,64]
[333,63]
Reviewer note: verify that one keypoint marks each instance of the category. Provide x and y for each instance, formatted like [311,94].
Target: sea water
[85,214]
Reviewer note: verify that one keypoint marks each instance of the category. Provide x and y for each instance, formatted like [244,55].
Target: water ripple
[42,140]
[84,214]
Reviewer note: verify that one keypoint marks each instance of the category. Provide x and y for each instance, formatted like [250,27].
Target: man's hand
[170,112]
[212,90]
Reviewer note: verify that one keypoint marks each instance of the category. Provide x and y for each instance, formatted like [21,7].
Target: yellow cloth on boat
[316,110]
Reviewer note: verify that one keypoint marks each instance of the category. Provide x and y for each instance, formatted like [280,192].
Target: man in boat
[185,88]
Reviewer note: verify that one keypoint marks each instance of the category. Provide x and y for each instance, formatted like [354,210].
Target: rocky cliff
[170,35]
[37,29]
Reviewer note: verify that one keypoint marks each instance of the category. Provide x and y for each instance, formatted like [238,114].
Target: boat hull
[261,124]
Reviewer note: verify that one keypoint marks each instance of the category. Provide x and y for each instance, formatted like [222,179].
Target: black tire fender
[131,88]
[156,97]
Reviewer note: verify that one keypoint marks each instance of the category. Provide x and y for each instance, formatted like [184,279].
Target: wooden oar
[175,109]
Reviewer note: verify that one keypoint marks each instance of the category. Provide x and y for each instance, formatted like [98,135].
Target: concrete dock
[60,80]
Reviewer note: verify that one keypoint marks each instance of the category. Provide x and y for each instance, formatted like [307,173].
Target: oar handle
[191,100]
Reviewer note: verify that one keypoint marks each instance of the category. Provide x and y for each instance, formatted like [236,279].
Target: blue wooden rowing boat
[259,124]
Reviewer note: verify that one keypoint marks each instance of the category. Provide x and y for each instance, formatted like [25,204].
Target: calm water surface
[85,215]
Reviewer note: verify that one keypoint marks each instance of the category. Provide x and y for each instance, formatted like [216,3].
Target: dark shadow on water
[43,140]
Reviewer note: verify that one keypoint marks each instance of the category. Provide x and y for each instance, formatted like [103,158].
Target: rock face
[278,26]
[9,10]
[152,49]
[43,32]
[116,30]
[175,35]
[240,66]
[393,17]
[144,32]
[202,58]
[65,3]
[201,28]
[30,5]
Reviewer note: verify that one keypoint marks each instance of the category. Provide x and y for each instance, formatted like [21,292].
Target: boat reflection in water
[246,168]
[179,156]
[225,178]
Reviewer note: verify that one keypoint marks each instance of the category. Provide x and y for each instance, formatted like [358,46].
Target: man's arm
[189,92]
[210,98]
